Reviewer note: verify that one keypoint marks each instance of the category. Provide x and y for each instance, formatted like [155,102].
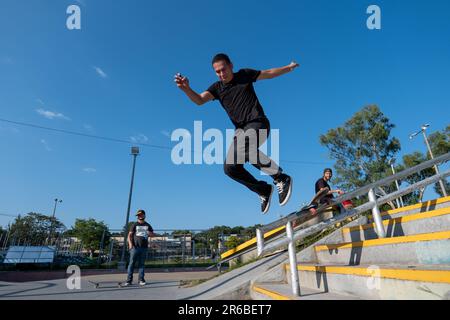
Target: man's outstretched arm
[276,72]
[199,99]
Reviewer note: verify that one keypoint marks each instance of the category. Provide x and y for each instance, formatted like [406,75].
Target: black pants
[245,148]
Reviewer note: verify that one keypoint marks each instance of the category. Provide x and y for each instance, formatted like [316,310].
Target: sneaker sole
[270,199]
[288,194]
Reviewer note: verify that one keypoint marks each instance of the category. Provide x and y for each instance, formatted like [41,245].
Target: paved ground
[160,285]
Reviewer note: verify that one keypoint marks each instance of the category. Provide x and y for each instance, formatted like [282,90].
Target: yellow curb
[250,243]
[438,276]
[384,241]
[413,217]
[269,293]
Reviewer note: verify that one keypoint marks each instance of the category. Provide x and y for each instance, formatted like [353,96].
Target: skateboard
[305,213]
[100,283]
[112,283]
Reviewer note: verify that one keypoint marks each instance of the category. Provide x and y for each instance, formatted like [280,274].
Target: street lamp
[134,153]
[391,162]
[53,216]
[411,136]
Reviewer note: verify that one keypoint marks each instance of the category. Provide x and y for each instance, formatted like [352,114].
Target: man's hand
[293,65]
[130,247]
[182,82]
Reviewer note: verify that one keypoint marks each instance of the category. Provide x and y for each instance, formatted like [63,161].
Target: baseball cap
[140,212]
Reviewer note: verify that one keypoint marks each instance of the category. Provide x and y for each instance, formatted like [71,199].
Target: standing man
[237,96]
[138,245]
[323,183]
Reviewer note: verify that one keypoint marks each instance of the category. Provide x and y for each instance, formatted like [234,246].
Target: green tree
[440,144]
[181,232]
[232,242]
[411,160]
[34,228]
[362,148]
[90,232]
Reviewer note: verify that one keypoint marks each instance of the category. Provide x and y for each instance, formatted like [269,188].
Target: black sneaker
[142,283]
[126,284]
[265,200]
[284,186]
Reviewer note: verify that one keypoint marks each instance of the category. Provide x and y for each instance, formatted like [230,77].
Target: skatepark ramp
[397,254]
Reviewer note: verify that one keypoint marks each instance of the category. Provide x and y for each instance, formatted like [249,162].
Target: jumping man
[237,96]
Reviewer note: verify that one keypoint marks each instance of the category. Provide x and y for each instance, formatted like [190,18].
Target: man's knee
[228,169]
[231,169]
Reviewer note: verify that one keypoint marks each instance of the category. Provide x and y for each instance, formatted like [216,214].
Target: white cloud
[88,127]
[140,138]
[166,133]
[45,144]
[51,115]
[90,170]
[100,72]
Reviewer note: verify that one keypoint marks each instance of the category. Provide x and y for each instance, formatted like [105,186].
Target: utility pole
[134,153]
[53,218]
[424,127]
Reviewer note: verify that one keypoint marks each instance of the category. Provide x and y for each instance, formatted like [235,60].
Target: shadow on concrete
[232,278]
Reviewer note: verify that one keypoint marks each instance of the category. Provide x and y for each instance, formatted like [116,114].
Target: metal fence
[168,248]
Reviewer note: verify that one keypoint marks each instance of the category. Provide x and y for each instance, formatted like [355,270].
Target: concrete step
[416,208]
[385,282]
[283,291]
[426,248]
[426,222]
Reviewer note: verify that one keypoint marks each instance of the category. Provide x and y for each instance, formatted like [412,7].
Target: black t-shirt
[238,97]
[321,183]
[140,234]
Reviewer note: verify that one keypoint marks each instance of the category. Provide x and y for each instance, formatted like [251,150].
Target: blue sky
[114,78]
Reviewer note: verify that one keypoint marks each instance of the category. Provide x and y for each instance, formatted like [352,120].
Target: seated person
[322,183]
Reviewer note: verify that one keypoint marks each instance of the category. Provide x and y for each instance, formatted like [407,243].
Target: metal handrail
[364,190]
[373,204]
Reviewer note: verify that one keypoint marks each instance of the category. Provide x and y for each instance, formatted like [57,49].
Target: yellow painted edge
[415,206]
[417,216]
[384,241]
[272,294]
[249,243]
[439,276]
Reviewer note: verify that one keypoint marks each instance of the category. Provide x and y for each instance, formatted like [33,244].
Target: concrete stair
[412,262]
[402,226]
[283,291]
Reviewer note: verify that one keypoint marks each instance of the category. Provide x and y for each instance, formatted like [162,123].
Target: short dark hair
[327,170]
[140,211]
[221,57]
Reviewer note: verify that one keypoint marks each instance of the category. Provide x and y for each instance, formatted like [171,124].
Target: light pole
[391,162]
[411,136]
[134,153]
[53,216]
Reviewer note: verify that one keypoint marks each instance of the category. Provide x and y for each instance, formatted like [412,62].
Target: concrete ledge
[416,208]
[378,282]
[432,221]
[428,248]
